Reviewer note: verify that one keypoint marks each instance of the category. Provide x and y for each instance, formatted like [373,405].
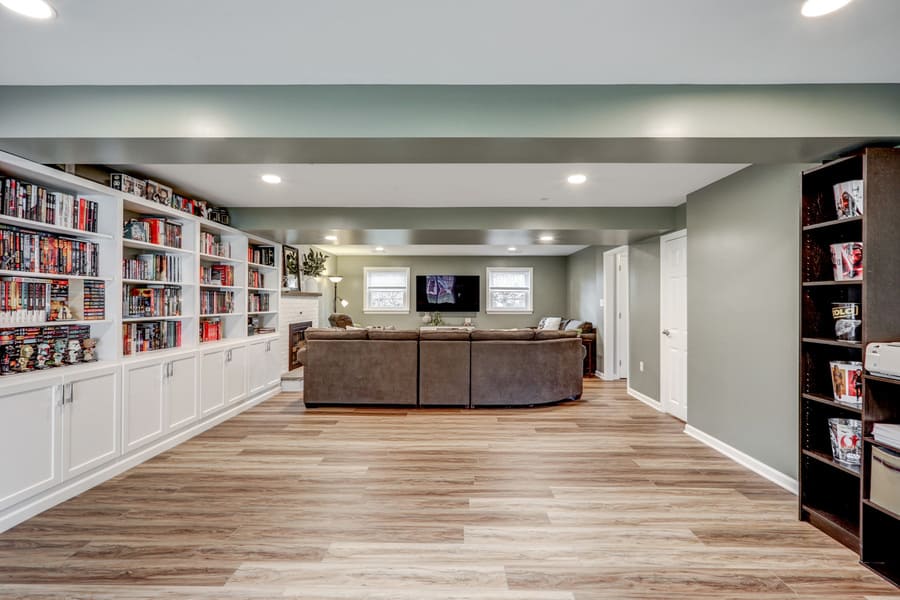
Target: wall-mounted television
[448,293]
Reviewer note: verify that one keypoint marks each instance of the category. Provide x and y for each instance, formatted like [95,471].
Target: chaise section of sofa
[521,367]
[361,367]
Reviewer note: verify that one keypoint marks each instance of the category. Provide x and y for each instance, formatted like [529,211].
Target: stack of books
[153,230]
[217,275]
[152,267]
[94,300]
[26,250]
[25,200]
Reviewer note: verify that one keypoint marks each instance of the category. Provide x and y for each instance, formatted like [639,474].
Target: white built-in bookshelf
[78,423]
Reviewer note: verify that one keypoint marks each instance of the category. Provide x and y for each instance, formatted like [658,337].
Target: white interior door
[673,324]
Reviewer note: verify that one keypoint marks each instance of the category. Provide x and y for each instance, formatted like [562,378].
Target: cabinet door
[273,364]
[144,403]
[90,421]
[183,405]
[29,427]
[236,374]
[212,381]
[256,367]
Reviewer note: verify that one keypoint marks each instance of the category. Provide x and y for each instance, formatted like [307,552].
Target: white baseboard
[760,468]
[69,489]
[645,399]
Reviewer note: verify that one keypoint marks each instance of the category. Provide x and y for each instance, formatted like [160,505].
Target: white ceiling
[458,42]
[441,185]
[452,250]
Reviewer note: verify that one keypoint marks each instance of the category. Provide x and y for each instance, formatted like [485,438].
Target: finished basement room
[497,300]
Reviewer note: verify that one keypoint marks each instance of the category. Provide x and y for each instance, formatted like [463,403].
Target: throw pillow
[574,324]
[551,323]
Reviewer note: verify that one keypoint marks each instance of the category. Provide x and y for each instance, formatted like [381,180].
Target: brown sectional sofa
[441,368]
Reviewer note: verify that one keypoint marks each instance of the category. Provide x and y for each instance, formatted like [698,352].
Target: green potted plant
[313,267]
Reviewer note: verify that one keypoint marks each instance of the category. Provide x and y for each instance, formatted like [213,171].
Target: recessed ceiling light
[379,248]
[331,238]
[577,179]
[817,8]
[270,178]
[511,249]
[546,238]
[36,9]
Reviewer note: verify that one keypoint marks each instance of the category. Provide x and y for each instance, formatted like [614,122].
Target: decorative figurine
[88,346]
[73,350]
[59,348]
[43,355]
[25,354]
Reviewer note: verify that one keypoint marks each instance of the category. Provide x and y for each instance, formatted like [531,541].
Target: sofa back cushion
[462,336]
[554,334]
[321,333]
[393,334]
[502,334]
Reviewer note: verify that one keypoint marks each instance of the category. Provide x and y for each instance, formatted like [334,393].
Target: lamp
[336,279]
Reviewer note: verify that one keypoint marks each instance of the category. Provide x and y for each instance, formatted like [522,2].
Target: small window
[387,290]
[509,290]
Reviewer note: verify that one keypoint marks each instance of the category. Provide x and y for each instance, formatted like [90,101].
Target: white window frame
[383,311]
[487,288]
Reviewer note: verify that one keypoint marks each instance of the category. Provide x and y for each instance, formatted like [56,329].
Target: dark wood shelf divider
[834,497]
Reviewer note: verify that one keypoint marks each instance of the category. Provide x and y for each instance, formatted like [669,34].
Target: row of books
[217,275]
[153,230]
[30,201]
[214,302]
[24,300]
[213,244]
[163,194]
[34,251]
[258,302]
[24,349]
[153,267]
[150,335]
[261,255]
[94,300]
[256,279]
[211,330]
[151,301]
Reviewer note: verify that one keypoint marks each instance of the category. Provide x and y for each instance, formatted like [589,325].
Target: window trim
[384,311]
[509,311]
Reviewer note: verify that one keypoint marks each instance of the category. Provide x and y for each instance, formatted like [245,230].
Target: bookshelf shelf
[255,289]
[215,286]
[260,266]
[154,247]
[223,259]
[221,315]
[148,319]
[13,325]
[68,231]
[152,282]
[36,275]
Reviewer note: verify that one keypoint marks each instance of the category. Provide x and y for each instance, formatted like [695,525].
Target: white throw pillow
[552,322]
[573,324]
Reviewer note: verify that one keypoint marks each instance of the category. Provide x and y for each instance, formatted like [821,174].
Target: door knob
[666,332]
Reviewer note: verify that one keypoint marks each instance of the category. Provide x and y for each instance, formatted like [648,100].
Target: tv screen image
[448,293]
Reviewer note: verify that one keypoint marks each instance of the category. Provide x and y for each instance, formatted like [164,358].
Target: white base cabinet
[265,371]
[236,374]
[144,403]
[182,401]
[29,434]
[212,380]
[91,412]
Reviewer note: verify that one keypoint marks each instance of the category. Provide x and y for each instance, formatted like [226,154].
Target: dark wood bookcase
[834,497]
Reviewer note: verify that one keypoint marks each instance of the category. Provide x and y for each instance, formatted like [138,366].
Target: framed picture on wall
[290,267]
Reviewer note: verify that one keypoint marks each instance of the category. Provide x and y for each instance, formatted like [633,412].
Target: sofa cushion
[551,334]
[444,335]
[395,334]
[502,334]
[321,333]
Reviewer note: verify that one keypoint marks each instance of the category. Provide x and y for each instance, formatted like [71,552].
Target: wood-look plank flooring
[600,499]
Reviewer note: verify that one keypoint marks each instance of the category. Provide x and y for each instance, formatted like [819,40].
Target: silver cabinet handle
[666,332]
[62,394]
[71,393]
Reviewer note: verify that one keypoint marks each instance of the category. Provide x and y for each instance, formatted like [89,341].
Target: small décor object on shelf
[846,321]
[43,356]
[848,198]
[290,266]
[847,260]
[313,263]
[846,441]
[89,350]
[846,382]
[59,348]
[73,352]
[25,354]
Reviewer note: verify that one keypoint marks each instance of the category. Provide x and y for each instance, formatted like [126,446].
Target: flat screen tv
[448,293]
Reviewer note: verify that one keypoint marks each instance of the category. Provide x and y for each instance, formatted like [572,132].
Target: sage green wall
[681,216]
[550,286]
[643,305]
[585,273]
[743,312]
